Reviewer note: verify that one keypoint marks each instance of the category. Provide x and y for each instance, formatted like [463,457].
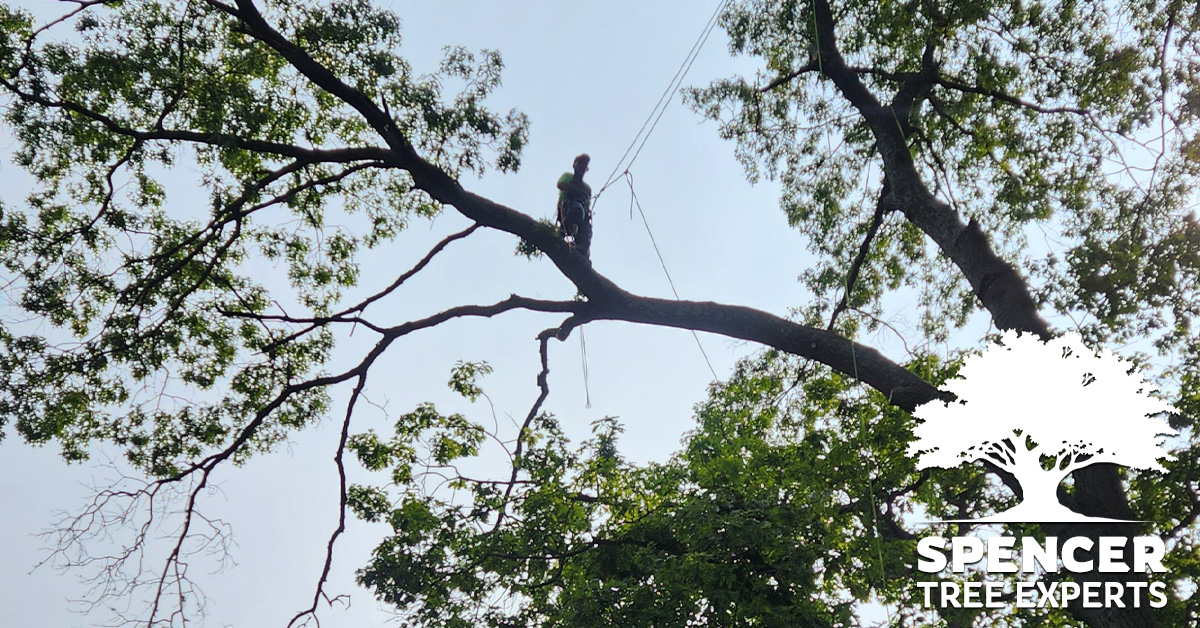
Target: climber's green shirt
[567,183]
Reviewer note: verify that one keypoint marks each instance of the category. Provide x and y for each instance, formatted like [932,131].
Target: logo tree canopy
[1041,411]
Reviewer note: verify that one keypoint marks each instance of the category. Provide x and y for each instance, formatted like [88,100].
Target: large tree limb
[902,387]
[998,285]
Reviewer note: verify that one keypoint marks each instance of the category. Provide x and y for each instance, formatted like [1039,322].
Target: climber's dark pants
[583,237]
[577,223]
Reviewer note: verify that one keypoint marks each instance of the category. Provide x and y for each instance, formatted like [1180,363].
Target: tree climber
[574,211]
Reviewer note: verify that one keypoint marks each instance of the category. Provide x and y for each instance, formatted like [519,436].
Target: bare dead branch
[544,392]
[338,459]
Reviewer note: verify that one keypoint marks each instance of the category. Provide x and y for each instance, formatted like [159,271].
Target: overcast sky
[587,74]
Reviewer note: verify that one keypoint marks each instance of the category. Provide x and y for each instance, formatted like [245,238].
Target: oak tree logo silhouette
[1041,410]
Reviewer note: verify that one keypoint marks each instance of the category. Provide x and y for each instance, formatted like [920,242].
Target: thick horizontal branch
[902,387]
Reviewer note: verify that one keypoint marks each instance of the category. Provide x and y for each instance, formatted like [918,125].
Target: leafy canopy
[141,297]
[890,124]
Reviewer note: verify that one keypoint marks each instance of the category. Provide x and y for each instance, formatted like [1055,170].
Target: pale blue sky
[587,74]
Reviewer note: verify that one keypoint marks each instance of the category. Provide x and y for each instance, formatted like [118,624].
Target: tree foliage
[922,147]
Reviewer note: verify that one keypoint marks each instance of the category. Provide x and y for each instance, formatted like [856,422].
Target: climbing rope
[633,201]
[648,126]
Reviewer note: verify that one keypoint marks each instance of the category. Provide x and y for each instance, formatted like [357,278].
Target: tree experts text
[1047,564]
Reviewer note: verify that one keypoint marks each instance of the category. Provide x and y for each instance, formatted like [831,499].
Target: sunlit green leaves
[775,509]
[155,316]
[464,378]
[1042,113]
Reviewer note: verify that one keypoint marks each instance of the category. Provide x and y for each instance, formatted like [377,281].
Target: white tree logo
[1041,410]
